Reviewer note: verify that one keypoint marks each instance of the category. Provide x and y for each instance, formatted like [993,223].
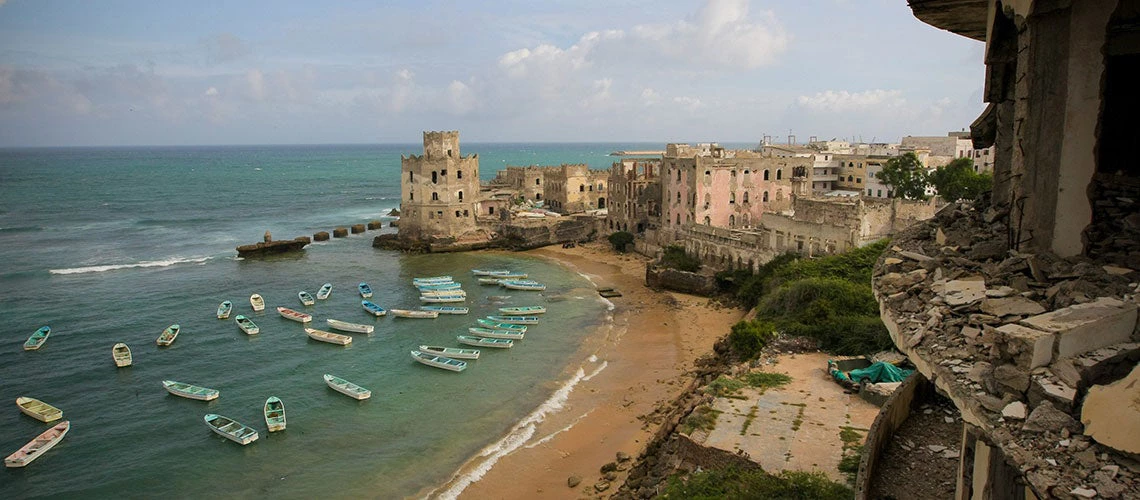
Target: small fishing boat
[190,391]
[485,341]
[306,298]
[365,290]
[515,320]
[37,338]
[451,352]
[38,410]
[224,309]
[407,313]
[36,447]
[445,309]
[441,286]
[373,309]
[496,333]
[347,388]
[438,361]
[486,272]
[522,310]
[247,325]
[297,316]
[489,281]
[442,298]
[513,276]
[432,279]
[121,354]
[345,326]
[274,414]
[500,325]
[503,281]
[231,429]
[330,337]
[257,302]
[324,292]
[517,285]
[442,293]
[168,335]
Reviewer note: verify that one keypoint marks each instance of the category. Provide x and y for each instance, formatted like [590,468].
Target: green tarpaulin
[879,372]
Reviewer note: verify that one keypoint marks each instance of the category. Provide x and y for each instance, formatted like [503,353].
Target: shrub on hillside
[843,316]
[733,483]
[676,258]
[620,240]
[748,338]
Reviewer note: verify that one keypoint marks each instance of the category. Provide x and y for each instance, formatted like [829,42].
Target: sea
[109,245]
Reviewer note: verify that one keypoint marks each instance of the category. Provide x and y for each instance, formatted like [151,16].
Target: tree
[958,181]
[906,176]
[620,239]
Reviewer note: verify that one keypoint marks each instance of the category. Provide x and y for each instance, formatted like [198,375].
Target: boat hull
[297,316]
[231,429]
[274,411]
[406,313]
[442,299]
[38,446]
[496,334]
[224,310]
[472,340]
[515,320]
[365,290]
[257,302]
[38,410]
[190,391]
[247,325]
[347,388]
[324,292]
[441,362]
[168,335]
[121,354]
[329,337]
[345,326]
[373,309]
[451,352]
[37,339]
[522,311]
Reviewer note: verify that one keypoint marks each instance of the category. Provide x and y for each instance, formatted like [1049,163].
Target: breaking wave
[144,264]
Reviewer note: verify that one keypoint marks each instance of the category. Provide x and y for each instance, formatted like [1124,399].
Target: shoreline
[632,364]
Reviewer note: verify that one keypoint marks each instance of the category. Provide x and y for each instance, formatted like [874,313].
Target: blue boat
[37,339]
[373,309]
[515,320]
[365,290]
[445,309]
[442,286]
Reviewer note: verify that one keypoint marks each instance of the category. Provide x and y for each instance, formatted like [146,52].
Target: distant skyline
[126,72]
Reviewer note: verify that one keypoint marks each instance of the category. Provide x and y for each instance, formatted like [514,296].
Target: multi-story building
[635,195]
[438,190]
[527,181]
[574,188]
[710,185]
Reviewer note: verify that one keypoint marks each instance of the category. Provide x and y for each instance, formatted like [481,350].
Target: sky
[127,72]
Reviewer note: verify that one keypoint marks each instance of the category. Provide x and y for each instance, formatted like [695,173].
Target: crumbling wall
[526,234]
[680,281]
[891,416]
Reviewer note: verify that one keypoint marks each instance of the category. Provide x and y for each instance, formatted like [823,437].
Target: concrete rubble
[1028,346]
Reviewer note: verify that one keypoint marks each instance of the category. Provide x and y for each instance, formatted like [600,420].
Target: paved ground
[794,427]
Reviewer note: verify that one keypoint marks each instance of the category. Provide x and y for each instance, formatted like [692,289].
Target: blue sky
[287,72]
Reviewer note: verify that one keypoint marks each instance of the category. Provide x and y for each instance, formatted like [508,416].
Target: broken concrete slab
[1012,377]
[1006,306]
[1082,328]
[963,291]
[1045,417]
[1110,413]
[1015,410]
[1047,388]
[1030,348]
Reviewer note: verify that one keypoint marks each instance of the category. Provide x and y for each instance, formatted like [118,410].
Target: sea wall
[680,281]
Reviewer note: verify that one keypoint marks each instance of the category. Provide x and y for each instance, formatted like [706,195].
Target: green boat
[190,391]
[501,326]
[522,310]
[168,335]
[485,341]
[247,325]
[37,338]
[495,333]
[274,414]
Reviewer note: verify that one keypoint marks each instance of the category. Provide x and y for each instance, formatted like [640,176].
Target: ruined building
[439,190]
[635,195]
[574,188]
[1023,310]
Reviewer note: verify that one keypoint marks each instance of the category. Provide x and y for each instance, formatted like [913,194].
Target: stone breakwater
[271,246]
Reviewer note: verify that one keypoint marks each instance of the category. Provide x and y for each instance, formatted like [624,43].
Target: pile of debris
[1028,346]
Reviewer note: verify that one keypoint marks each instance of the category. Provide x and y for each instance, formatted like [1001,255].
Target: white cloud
[256,84]
[722,33]
[211,92]
[461,98]
[844,101]
[649,96]
[688,103]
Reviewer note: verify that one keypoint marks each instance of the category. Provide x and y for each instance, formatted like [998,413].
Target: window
[678,197]
[734,174]
[678,180]
[746,197]
[491,210]
[708,222]
[591,188]
[779,173]
[708,200]
[456,214]
[731,221]
[581,188]
[439,214]
[537,182]
[466,213]
[765,174]
[731,198]
[858,180]
[434,178]
[880,193]
[434,196]
[410,177]
[868,192]
[601,187]
[411,196]
[461,196]
[458,174]
[850,179]
[678,219]
[765,199]
[538,196]
[443,172]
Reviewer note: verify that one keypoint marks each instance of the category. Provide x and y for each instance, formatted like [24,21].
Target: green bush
[843,316]
[620,239]
[854,265]
[702,417]
[676,258]
[748,338]
[733,483]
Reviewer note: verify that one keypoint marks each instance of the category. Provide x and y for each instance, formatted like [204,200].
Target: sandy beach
[631,366]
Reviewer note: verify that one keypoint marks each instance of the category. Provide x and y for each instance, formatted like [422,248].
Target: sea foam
[116,267]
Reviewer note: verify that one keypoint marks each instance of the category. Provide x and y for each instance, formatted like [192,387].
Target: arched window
[537,196]
[434,196]
[601,187]
[779,173]
[850,178]
[456,214]
[678,219]
[765,199]
[581,188]
[765,174]
[678,179]
[734,174]
[708,200]
[746,197]
[731,221]
[732,198]
[537,182]
[708,176]
[410,177]
[411,196]
[591,188]
[434,177]
[461,196]
[678,197]
[708,222]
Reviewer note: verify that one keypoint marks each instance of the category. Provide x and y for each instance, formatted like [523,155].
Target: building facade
[634,194]
[439,189]
[575,188]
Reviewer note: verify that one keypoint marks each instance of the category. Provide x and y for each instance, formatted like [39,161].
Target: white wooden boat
[297,316]
[373,309]
[445,309]
[408,313]
[37,338]
[514,320]
[38,410]
[524,286]
[247,325]
[190,391]
[224,309]
[364,289]
[324,292]
[330,337]
[306,298]
[490,272]
[345,326]
[442,298]
[438,361]
[485,341]
[274,411]
[432,279]
[489,281]
[522,310]
[122,355]
[257,302]
[500,325]
[440,287]
[442,293]
[451,352]
[168,335]
[231,429]
[347,388]
[503,281]
[38,446]
[513,276]
[496,333]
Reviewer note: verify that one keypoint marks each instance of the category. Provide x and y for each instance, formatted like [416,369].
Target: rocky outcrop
[273,247]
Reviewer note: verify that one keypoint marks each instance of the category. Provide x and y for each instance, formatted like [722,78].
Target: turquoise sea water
[113,245]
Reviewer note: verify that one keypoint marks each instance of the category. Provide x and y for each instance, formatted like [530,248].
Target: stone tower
[438,190]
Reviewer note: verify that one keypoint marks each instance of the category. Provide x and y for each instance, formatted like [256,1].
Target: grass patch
[702,417]
[675,257]
[733,483]
[849,464]
[851,436]
[765,380]
[748,420]
[724,387]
